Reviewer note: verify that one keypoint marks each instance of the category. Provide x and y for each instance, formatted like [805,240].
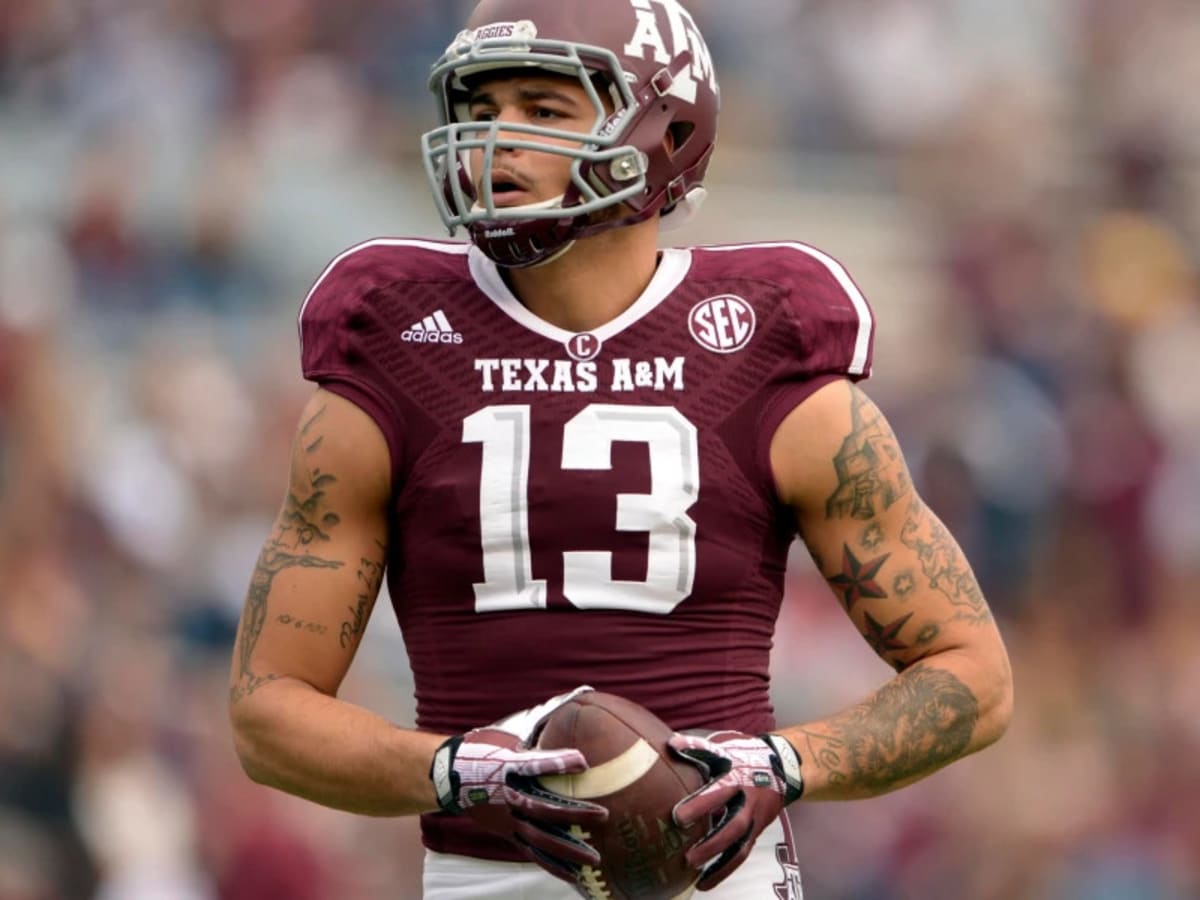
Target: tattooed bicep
[899,574]
[307,517]
[322,563]
[869,466]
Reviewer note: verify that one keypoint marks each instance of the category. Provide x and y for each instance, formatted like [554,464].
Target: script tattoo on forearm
[304,522]
[918,722]
[870,471]
[370,577]
[944,564]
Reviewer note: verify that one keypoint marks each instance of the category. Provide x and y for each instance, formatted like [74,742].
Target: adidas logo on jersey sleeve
[433,329]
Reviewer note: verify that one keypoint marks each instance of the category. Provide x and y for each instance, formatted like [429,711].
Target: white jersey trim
[451,249]
[671,272]
[866,322]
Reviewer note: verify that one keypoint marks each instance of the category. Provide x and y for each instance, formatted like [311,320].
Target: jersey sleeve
[828,330]
[332,353]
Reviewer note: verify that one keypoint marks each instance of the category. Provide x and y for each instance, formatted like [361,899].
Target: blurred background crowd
[1016,186]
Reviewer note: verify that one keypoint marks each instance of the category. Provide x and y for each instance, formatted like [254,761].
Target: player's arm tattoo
[304,625]
[944,564]
[875,578]
[871,475]
[918,722]
[884,637]
[859,582]
[858,578]
[370,578]
[271,561]
[301,527]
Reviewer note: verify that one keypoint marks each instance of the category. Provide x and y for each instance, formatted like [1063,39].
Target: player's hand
[491,774]
[750,780]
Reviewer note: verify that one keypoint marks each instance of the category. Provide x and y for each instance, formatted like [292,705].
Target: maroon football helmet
[650,59]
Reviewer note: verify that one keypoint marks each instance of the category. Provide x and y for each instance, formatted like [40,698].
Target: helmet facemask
[607,183]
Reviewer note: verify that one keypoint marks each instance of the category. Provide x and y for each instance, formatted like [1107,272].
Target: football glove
[491,775]
[750,780]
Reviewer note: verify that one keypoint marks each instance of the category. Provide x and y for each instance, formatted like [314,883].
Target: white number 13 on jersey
[504,432]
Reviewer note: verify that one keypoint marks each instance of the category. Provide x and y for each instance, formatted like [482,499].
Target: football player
[580,459]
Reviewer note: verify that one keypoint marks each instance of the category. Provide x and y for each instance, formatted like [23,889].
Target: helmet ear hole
[680,133]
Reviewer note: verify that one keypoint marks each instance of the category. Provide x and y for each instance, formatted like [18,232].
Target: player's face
[522,177]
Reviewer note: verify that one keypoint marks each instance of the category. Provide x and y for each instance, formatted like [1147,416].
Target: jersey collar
[672,269]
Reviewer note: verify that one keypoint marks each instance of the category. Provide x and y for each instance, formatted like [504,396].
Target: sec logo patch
[722,324]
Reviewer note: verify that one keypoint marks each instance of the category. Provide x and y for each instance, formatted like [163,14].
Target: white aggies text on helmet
[650,59]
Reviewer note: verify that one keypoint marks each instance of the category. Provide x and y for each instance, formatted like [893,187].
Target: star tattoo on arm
[885,638]
[857,580]
[872,536]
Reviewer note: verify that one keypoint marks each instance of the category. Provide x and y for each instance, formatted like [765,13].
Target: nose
[507,116]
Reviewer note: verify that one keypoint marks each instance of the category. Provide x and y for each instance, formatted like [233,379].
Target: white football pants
[769,873]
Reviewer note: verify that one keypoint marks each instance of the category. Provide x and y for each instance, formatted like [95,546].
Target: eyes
[534,113]
[545,112]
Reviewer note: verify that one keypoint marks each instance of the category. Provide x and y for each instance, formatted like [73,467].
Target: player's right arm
[310,597]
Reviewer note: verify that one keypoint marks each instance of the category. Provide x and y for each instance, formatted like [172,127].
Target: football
[634,775]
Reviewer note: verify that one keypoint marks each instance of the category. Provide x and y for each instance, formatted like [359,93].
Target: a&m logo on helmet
[650,40]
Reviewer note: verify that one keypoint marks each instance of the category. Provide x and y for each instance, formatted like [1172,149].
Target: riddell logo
[499,233]
[435,329]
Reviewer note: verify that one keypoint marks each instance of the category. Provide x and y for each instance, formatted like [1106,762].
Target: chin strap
[558,254]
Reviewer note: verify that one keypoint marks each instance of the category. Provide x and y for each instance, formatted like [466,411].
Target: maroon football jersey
[584,508]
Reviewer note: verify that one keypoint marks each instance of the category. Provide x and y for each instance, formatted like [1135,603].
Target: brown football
[635,776]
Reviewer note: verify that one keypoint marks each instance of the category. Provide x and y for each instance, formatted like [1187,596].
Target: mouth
[508,190]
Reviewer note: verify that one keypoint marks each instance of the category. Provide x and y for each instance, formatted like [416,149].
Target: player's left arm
[909,590]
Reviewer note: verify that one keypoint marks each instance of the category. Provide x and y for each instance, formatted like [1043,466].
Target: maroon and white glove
[491,775]
[751,780]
